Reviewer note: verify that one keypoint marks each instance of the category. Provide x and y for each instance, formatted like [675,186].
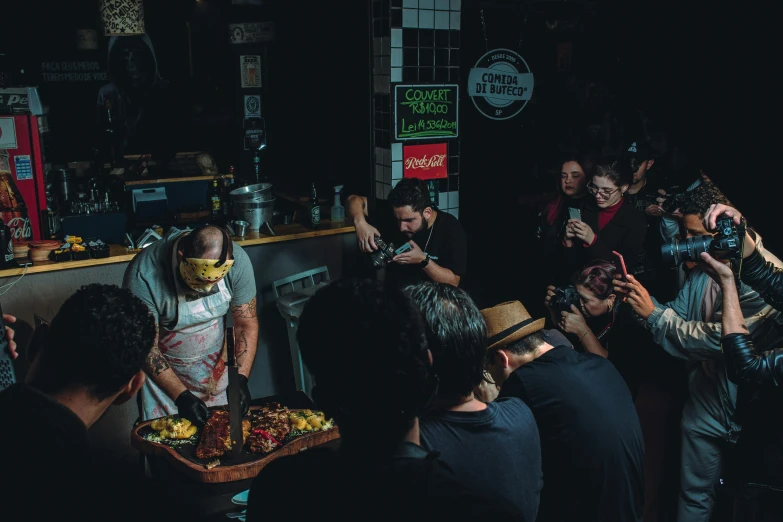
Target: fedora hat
[509,322]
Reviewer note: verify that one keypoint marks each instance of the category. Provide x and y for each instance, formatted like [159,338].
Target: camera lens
[676,252]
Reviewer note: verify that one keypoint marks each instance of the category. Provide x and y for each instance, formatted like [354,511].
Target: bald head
[206,243]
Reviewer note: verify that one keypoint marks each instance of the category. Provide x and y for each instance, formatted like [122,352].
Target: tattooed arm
[246,334]
[158,369]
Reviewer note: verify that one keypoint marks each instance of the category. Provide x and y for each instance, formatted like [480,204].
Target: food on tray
[270,425]
[212,463]
[216,435]
[308,420]
[173,428]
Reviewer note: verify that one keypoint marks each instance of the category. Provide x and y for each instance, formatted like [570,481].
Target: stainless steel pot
[254,212]
[257,192]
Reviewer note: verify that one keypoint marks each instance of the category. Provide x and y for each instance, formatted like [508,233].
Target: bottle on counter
[6,247]
[338,211]
[228,186]
[314,210]
[215,200]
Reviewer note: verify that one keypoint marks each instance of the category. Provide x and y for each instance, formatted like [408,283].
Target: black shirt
[494,451]
[413,485]
[591,440]
[445,242]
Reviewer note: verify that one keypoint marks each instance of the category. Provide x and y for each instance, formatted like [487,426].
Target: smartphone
[574,213]
[620,264]
[404,248]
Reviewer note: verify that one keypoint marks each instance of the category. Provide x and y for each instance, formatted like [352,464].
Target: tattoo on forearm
[244,346]
[247,311]
[156,363]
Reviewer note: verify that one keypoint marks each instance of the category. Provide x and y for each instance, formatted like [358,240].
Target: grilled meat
[270,426]
[216,435]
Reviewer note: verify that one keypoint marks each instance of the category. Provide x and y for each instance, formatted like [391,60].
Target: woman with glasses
[575,171]
[609,223]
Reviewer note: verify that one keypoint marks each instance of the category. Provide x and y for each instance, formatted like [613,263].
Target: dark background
[700,78]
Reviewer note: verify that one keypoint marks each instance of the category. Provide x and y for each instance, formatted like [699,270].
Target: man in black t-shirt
[591,442]
[438,250]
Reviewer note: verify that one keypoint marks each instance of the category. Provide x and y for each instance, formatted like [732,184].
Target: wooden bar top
[121,254]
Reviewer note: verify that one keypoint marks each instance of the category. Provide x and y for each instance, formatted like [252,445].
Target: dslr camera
[563,299]
[725,244]
[673,201]
[386,251]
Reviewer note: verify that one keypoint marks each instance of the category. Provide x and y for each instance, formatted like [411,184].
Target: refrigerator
[23,205]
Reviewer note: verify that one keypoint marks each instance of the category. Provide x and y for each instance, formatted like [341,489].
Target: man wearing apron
[191,280]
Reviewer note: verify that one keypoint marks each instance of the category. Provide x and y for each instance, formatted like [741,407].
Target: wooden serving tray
[247,466]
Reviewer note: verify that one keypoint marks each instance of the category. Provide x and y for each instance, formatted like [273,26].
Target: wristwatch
[425,262]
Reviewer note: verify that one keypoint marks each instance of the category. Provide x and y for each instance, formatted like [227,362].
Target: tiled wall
[417,42]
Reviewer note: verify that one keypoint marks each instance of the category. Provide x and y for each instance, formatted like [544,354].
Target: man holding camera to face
[759,474]
[689,328]
[419,242]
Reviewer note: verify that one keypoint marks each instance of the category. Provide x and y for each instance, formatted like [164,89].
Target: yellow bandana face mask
[202,274]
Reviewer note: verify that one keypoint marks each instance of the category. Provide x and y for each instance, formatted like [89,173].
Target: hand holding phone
[574,213]
[620,264]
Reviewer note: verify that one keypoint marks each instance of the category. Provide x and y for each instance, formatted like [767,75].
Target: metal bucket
[257,192]
[255,213]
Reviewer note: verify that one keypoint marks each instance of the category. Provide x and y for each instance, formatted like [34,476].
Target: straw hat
[509,322]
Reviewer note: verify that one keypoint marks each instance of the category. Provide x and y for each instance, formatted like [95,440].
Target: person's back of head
[456,335]
[207,242]
[98,341]
[618,171]
[366,348]
[411,192]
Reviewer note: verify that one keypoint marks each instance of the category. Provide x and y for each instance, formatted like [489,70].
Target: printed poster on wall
[251,33]
[500,84]
[252,106]
[7,133]
[424,161]
[251,71]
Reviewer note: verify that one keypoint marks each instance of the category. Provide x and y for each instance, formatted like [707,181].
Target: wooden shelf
[137,182]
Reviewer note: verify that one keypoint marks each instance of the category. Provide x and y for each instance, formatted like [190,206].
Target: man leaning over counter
[191,280]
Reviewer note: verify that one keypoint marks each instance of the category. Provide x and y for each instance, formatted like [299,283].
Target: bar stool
[291,294]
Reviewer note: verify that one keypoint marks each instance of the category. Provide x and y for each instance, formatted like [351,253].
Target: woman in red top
[608,221]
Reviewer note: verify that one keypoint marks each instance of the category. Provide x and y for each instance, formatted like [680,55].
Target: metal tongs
[234,406]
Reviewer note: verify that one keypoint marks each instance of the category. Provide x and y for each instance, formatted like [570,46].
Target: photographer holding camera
[438,248]
[689,328]
[760,446]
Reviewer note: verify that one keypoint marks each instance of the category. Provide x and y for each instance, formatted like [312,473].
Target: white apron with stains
[193,348]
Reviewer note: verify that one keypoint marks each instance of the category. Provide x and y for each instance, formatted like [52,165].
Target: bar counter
[122,254]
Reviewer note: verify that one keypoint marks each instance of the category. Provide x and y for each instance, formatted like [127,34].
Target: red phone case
[622,263]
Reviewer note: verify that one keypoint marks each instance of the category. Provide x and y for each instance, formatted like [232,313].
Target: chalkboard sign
[425,111]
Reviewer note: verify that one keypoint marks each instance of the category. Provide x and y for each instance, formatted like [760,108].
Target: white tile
[396,38]
[410,18]
[453,199]
[410,3]
[378,172]
[396,57]
[386,158]
[387,175]
[376,83]
[386,190]
[396,169]
[396,151]
[441,19]
[456,5]
[376,46]
[378,155]
[396,74]
[385,81]
[395,181]
[454,212]
[426,4]
[442,5]
[385,64]
[455,20]
[386,45]
[426,18]
[443,200]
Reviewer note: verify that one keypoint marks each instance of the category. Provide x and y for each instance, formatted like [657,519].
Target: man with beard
[438,249]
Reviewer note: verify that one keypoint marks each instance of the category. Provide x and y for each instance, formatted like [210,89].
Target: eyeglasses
[604,192]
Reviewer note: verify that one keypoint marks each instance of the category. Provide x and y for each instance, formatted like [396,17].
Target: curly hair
[366,347]
[99,339]
[598,277]
[698,200]
[413,192]
[618,172]
[456,334]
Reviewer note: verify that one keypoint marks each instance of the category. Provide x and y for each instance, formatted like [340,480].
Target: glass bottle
[314,210]
[215,203]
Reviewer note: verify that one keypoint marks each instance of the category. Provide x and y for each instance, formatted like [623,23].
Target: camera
[725,244]
[673,200]
[564,298]
[386,252]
